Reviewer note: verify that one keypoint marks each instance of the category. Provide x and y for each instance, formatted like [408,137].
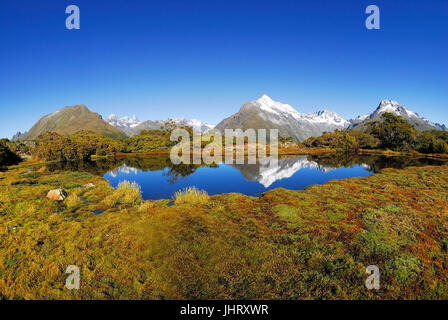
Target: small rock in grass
[57,195]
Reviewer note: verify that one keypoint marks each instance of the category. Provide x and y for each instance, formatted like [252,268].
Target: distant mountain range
[263,113]
[132,126]
[266,113]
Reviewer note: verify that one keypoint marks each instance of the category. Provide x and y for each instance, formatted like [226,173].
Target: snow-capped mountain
[394,107]
[266,113]
[127,124]
[278,109]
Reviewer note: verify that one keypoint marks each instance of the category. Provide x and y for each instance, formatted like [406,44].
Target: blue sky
[204,59]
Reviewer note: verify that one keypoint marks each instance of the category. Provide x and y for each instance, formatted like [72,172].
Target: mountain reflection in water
[160,179]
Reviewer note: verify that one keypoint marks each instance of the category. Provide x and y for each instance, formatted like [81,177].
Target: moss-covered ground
[310,244]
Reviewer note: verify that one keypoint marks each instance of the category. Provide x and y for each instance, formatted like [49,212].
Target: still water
[160,179]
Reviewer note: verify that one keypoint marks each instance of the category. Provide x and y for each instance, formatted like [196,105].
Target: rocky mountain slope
[70,120]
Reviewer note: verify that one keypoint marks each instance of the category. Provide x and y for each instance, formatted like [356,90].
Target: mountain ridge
[70,120]
[263,113]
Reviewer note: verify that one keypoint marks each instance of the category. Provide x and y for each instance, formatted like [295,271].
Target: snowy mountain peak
[266,100]
[395,108]
[389,102]
[275,107]
[328,117]
[322,112]
[124,122]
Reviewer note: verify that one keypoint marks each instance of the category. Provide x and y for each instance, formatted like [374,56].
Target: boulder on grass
[89,185]
[57,195]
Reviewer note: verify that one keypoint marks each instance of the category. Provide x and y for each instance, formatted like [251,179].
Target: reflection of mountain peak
[123,169]
[267,174]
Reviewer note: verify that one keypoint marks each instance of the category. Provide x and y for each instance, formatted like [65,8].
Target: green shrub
[365,140]
[394,132]
[339,140]
[431,142]
[154,140]
[81,146]
[7,157]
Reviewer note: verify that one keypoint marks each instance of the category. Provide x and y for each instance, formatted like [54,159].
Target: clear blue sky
[203,59]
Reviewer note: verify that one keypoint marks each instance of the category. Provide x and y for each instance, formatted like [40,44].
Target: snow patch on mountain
[327,117]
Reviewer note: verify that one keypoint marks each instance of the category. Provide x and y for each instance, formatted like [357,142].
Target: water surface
[160,179]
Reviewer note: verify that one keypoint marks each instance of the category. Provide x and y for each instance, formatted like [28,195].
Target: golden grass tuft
[145,206]
[126,193]
[191,195]
[73,201]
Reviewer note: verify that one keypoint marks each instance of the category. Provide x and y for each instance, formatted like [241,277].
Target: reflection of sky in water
[291,173]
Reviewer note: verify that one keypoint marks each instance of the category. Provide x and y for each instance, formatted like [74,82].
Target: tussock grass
[127,193]
[191,195]
[145,206]
[73,201]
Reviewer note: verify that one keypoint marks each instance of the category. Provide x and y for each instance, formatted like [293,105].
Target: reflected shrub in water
[191,195]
